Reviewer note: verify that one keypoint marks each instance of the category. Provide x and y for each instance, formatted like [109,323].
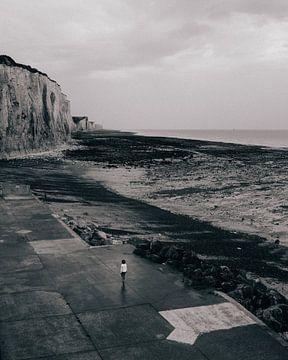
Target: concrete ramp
[62,300]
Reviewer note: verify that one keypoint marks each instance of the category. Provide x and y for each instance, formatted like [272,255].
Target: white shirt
[123,268]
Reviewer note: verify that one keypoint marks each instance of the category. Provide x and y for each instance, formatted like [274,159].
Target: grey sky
[159,64]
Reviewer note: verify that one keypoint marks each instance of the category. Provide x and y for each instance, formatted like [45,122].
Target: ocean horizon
[270,138]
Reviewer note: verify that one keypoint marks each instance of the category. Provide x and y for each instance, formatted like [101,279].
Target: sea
[270,138]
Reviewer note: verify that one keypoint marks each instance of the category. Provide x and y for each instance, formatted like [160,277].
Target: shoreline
[176,135]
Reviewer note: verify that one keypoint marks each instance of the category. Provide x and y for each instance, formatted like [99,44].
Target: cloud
[108,35]
[168,56]
[277,9]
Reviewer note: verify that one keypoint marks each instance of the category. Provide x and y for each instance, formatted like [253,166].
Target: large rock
[276,317]
[34,113]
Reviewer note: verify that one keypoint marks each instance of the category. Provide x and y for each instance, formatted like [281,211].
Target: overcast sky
[198,64]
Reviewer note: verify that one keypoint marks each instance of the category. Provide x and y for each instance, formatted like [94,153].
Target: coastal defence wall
[34,113]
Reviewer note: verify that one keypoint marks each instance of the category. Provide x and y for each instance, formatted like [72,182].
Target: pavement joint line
[113,308]
[259,322]
[63,354]
[36,318]
[201,352]
[129,345]
[82,326]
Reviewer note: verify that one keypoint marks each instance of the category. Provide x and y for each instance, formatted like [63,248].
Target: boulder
[226,274]
[197,274]
[143,246]
[276,317]
[140,252]
[190,257]
[164,252]
[100,234]
[155,246]
[228,286]
[96,241]
[209,281]
[274,297]
[155,258]
[175,253]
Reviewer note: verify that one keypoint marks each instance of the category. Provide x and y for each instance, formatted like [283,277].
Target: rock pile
[87,230]
[267,304]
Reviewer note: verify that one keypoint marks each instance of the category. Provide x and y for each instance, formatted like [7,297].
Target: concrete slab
[23,263]
[186,297]
[42,337]
[84,294]
[34,304]
[126,326]
[15,248]
[33,217]
[50,229]
[61,265]
[62,246]
[25,281]
[241,343]
[163,294]
[156,350]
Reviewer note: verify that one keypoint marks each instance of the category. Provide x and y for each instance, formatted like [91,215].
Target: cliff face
[34,114]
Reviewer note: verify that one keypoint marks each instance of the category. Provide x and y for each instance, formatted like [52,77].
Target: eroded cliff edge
[34,113]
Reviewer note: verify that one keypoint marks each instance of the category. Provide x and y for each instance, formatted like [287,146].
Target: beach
[237,187]
[227,201]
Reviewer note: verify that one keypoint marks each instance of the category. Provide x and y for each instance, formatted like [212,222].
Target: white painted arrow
[191,322]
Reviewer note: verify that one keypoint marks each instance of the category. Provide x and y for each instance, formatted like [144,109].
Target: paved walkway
[60,299]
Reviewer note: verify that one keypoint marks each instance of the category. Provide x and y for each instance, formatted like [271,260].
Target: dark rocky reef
[34,113]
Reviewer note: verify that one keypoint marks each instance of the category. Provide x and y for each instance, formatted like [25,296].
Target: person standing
[123,271]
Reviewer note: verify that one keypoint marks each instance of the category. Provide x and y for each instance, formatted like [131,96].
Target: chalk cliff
[34,113]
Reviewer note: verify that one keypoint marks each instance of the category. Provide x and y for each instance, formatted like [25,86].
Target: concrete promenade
[60,299]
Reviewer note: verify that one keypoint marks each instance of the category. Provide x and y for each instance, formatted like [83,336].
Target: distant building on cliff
[82,123]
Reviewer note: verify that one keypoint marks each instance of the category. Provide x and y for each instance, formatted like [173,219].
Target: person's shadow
[123,293]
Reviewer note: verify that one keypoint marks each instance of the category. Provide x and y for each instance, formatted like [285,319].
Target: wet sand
[228,202]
